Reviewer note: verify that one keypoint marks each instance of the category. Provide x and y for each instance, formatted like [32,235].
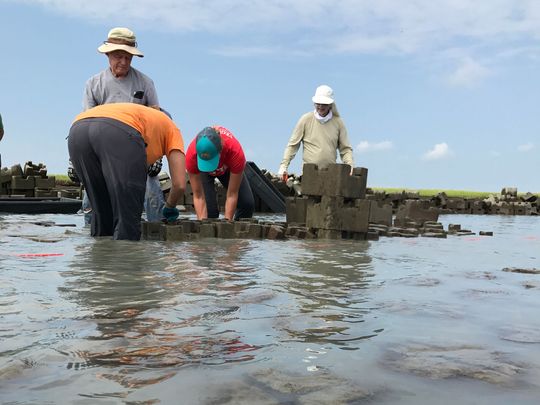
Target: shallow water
[395,321]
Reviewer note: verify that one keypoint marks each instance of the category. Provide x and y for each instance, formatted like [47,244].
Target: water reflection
[157,306]
[329,285]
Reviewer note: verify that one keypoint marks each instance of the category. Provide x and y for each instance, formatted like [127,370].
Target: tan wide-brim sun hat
[122,39]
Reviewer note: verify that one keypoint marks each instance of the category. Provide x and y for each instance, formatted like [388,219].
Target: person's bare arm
[177,167]
[199,201]
[232,195]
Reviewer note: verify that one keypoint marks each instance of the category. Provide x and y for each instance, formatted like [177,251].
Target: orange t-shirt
[159,132]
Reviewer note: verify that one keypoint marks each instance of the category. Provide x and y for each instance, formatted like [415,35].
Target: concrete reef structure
[508,202]
[186,229]
[32,181]
[333,205]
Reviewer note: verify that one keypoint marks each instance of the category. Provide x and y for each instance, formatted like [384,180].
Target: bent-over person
[216,153]
[111,147]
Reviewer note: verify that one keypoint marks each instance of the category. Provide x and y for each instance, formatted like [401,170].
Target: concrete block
[5,176]
[22,193]
[38,192]
[326,214]
[334,181]
[174,233]
[529,197]
[311,182]
[328,234]
[434,235]
[20,183]
[207,230]
[509,191]
[225,230]
[16,170]
[418,211]
[296,209]
[66,193]
[276,232]
[354,235]
[338,213]
[153,230]
[372,235]
[48,182]
[248,230]
[380,213]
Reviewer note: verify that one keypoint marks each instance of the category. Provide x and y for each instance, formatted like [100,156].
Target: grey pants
[110,159]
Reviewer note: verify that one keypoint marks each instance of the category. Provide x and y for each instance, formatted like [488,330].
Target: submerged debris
[520,270]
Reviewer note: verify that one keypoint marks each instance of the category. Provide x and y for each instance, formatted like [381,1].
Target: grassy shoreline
[434,192]
[63,180]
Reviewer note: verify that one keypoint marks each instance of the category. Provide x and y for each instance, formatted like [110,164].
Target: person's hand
[170,214]
[285,176]
[155,168]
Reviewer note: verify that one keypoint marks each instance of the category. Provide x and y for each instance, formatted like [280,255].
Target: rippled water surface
[395,321]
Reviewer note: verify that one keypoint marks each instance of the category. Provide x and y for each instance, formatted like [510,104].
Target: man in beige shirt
[321,132]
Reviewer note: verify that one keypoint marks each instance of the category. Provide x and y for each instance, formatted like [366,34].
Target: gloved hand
[73,175]
[155,168]
[170,214]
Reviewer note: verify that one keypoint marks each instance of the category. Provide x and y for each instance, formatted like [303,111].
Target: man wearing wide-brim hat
[122,83]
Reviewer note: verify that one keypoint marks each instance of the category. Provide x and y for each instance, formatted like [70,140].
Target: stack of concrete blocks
[185,230]
[30,182]
[333,203]
[508,203]
[43,185]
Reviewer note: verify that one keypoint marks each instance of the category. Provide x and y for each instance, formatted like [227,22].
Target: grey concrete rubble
[508,202]
[332,205]
[32,181]
[521,270]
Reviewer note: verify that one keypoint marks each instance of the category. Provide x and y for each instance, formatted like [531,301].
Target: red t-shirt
[231,158]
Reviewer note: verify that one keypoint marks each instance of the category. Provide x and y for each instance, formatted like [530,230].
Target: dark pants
[246,204]
[110,159]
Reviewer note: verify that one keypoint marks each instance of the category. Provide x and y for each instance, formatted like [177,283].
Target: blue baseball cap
[208,146]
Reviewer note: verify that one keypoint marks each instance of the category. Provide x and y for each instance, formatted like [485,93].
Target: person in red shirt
[215,152]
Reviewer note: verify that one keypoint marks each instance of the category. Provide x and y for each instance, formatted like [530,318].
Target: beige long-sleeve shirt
[320,142]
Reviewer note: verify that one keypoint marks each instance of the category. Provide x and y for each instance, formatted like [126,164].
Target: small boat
[39,205]
[264,189]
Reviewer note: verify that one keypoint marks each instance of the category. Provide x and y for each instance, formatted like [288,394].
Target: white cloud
[366,146]
[468,73]
[439,151]
[410,27]
[527,147]
[494,153]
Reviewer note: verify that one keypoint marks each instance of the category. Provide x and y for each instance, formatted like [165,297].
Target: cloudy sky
[434,93]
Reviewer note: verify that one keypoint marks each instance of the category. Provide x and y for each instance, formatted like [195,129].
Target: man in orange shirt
[111,146]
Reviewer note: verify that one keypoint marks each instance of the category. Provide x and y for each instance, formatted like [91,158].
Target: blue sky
[434,93]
